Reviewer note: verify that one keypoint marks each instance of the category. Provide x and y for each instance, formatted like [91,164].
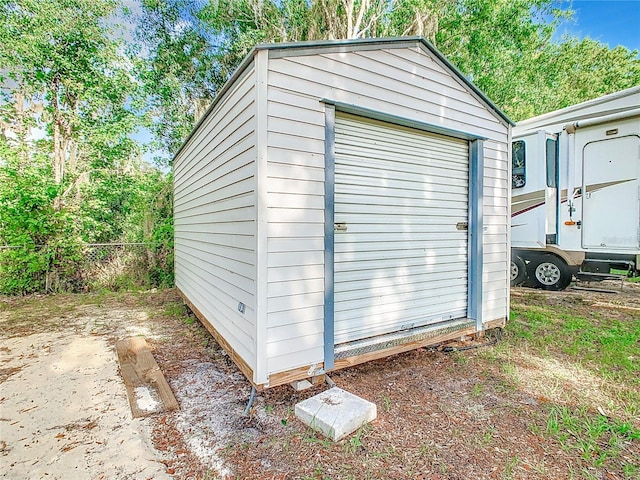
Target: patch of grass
[596,438]
[510,465]
[477,390]
[318,474]
[609,347]
[625,272]
[176,310]
[355,442]
[459,358]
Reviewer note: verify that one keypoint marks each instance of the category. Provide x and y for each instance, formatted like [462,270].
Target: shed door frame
[476,168]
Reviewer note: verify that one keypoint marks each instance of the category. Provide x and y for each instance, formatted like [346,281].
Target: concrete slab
[335,412]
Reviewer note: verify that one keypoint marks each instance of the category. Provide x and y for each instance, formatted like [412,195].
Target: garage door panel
[396,299]
[395,140]
[374,322]
[413,209]
[361,224]
[402,261]
[347,262]
[359,185]
[403,161]
[382,287]
[361,279]
[437,240]
[402,197]
[377,308]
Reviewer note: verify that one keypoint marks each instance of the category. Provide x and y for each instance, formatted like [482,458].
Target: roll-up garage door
[400,242]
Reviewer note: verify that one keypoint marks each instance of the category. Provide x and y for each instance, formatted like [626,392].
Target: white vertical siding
[406,82]
[215,217]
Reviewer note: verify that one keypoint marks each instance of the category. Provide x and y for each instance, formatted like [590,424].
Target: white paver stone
[335,412]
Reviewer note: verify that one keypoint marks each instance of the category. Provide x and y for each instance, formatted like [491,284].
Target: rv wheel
[549,272]
[518,271]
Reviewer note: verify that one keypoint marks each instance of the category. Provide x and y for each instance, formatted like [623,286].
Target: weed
[459,358]
[535,429]
[387,403]
[175,310]
[426,449]
[477,390]
[510,466]
[489,434]
[318,474]
[355,442]
[596,438]
[632,470]
[287,415]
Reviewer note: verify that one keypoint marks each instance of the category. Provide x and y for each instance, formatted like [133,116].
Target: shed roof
[323,46]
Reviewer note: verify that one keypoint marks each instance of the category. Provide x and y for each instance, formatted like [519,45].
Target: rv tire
[549,272]
[518,271]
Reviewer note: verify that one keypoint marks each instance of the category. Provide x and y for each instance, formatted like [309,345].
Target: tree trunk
[58,153]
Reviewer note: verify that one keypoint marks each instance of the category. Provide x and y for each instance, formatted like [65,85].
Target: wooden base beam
[289,376]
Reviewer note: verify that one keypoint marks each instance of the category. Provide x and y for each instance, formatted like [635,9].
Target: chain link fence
[79,268]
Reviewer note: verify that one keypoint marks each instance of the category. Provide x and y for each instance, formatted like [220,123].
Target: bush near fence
[84,267]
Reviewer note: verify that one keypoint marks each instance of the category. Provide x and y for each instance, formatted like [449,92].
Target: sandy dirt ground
[64,411]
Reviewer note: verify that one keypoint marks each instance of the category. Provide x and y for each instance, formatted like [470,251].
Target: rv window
[552,163]
[517,164]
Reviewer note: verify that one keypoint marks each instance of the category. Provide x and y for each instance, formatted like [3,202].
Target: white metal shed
[340,202]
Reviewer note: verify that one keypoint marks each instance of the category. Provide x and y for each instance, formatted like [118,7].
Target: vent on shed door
[401,212]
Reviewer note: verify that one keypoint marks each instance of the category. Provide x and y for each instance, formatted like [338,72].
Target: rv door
[551,192]
[610,194]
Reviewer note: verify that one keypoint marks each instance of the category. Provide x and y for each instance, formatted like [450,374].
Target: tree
[47,239]
[579,70]
[69,171]
[505,48]
[67,66]
[180,73]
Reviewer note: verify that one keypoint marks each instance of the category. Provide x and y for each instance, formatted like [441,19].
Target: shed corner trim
[261,218]
[329,216]
[476,229]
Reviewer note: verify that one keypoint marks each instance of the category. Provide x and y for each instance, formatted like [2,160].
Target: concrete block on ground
[300,385]
[335,412]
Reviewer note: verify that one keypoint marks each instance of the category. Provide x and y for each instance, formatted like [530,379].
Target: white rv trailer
[575,200]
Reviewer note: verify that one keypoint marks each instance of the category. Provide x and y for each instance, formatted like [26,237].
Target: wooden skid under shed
[147,389]
[287,377]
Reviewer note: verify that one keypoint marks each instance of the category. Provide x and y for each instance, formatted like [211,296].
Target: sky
[614,22]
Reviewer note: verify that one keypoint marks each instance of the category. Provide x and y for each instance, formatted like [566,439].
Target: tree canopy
[505,47]
[76,88]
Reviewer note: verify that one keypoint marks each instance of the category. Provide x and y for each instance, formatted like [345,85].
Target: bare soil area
[443,413]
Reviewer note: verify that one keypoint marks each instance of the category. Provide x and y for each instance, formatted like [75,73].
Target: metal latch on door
[340,227]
